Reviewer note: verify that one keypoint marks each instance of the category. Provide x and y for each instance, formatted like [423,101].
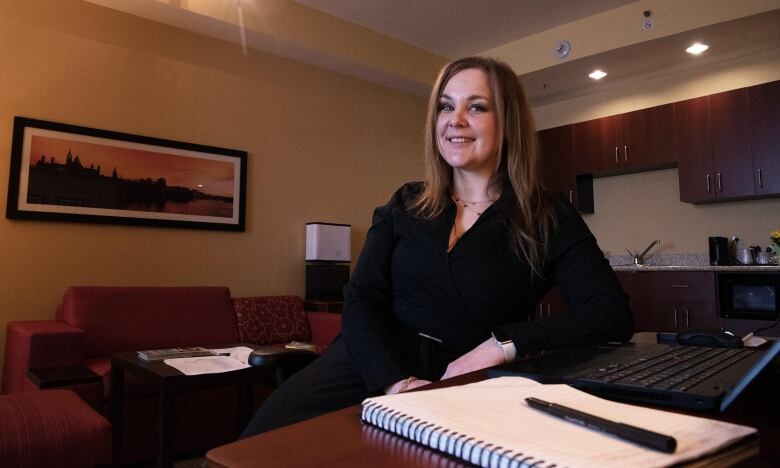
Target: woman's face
[467,124]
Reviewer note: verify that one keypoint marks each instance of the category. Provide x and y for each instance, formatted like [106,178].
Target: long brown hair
[529,213]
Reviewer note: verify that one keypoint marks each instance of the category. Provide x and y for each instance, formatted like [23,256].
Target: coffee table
[170,382]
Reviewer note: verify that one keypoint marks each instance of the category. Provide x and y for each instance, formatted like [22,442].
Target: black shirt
[406,282]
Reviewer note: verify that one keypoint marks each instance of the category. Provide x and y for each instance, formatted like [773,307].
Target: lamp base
[325,281]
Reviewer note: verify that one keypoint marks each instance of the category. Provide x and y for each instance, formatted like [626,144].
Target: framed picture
[65,172]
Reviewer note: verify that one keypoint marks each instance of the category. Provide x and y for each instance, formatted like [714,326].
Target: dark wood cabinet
[557,156]
[558,172]
[636,299]
[726,147]
[764,103]
[694,147]
[625,142]
[645,136]
[552,303]
[590,140]
[673,316]
[732,159]
[671,301]
[729,144]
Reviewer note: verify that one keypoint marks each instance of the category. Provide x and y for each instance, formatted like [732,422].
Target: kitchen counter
[751,268]
[683,262]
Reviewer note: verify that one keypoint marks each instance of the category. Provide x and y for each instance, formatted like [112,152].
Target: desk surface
[340,439]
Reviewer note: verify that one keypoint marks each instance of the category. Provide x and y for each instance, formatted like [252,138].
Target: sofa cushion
[132,318]
[271,319]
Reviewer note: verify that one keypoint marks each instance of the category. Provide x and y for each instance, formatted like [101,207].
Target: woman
[452,267]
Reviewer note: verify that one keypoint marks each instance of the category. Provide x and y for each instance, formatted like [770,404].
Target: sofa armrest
[36,345]
[325,327]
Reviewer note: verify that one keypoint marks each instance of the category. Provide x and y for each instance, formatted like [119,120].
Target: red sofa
[52,428]
[94,322]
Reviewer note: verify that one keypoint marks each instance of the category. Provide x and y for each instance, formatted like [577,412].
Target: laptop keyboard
[678,369]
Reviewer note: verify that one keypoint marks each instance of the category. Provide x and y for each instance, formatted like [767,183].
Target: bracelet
[406,383]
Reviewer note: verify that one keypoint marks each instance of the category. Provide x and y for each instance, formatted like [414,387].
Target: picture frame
[62,172]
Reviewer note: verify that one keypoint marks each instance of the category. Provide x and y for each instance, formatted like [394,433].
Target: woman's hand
[487,354]
[393,389]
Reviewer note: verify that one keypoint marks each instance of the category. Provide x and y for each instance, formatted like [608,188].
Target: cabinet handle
[687,324]
[548,310]
[617,161]
[720,186]
[760,180]
[625,153]
[708,183]
[681,285]
[571,196]
[675,317]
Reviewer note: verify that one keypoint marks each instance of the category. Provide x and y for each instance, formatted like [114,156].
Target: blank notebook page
[495,411]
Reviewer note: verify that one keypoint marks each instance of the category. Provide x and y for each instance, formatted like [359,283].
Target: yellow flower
[775,235]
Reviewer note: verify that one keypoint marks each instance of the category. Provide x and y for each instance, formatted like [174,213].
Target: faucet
[640,259]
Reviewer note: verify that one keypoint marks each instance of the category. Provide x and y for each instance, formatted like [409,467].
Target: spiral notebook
[489,424]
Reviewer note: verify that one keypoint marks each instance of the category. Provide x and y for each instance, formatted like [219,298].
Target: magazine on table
[170,353]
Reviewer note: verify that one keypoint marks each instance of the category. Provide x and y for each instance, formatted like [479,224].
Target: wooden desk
[340,439]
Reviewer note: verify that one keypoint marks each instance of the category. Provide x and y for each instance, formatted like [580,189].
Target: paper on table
[495,411]
[238,359]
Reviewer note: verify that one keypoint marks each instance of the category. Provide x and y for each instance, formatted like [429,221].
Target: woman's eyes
[446,107]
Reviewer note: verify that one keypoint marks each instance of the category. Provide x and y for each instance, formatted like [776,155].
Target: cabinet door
[698,315]
[644,137]
[611,146]
[694,150]
[629,281]
[587,147]
[552,303]
[557,156]
[765,127]
[666,316]
[731,154]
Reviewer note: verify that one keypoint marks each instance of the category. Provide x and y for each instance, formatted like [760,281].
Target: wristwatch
[506,343]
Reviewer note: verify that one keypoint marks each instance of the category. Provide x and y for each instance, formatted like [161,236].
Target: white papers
[235,359]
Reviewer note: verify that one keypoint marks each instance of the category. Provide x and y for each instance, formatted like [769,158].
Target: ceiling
[456,28]
[403,43]
[647,60]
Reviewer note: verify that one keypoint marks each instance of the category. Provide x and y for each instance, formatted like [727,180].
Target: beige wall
[633,210]
[322,147]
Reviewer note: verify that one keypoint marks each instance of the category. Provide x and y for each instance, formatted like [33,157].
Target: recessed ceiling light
[697,48]
[597,74]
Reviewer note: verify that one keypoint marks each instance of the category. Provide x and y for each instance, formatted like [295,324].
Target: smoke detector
[562,49]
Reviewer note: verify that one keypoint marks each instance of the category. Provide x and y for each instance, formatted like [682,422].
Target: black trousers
[332,382]
[329,383]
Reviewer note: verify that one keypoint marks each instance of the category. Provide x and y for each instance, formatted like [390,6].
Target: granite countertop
[682,262]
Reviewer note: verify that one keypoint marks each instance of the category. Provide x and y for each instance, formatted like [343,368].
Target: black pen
[640,436]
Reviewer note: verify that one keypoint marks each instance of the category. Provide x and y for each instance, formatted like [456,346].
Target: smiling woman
[452,266]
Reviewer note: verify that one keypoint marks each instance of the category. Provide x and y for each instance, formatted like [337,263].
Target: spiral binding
[477,452]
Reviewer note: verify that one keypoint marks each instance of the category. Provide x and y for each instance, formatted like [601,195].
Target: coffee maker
[719,251]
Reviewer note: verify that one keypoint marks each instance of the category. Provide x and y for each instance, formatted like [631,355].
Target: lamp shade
[328,242]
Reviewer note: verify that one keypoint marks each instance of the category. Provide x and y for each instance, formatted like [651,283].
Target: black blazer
[405,282]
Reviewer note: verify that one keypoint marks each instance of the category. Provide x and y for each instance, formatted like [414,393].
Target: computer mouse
[709,338]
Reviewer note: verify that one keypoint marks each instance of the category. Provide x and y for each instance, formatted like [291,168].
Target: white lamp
[328,242]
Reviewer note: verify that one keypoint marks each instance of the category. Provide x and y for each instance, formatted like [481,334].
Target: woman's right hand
[394,388]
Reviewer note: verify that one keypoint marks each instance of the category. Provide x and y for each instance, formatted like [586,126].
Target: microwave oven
[749,295]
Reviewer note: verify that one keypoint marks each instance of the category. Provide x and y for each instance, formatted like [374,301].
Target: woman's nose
[457,119]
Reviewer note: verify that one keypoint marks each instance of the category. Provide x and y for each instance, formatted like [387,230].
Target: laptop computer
[690,377]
